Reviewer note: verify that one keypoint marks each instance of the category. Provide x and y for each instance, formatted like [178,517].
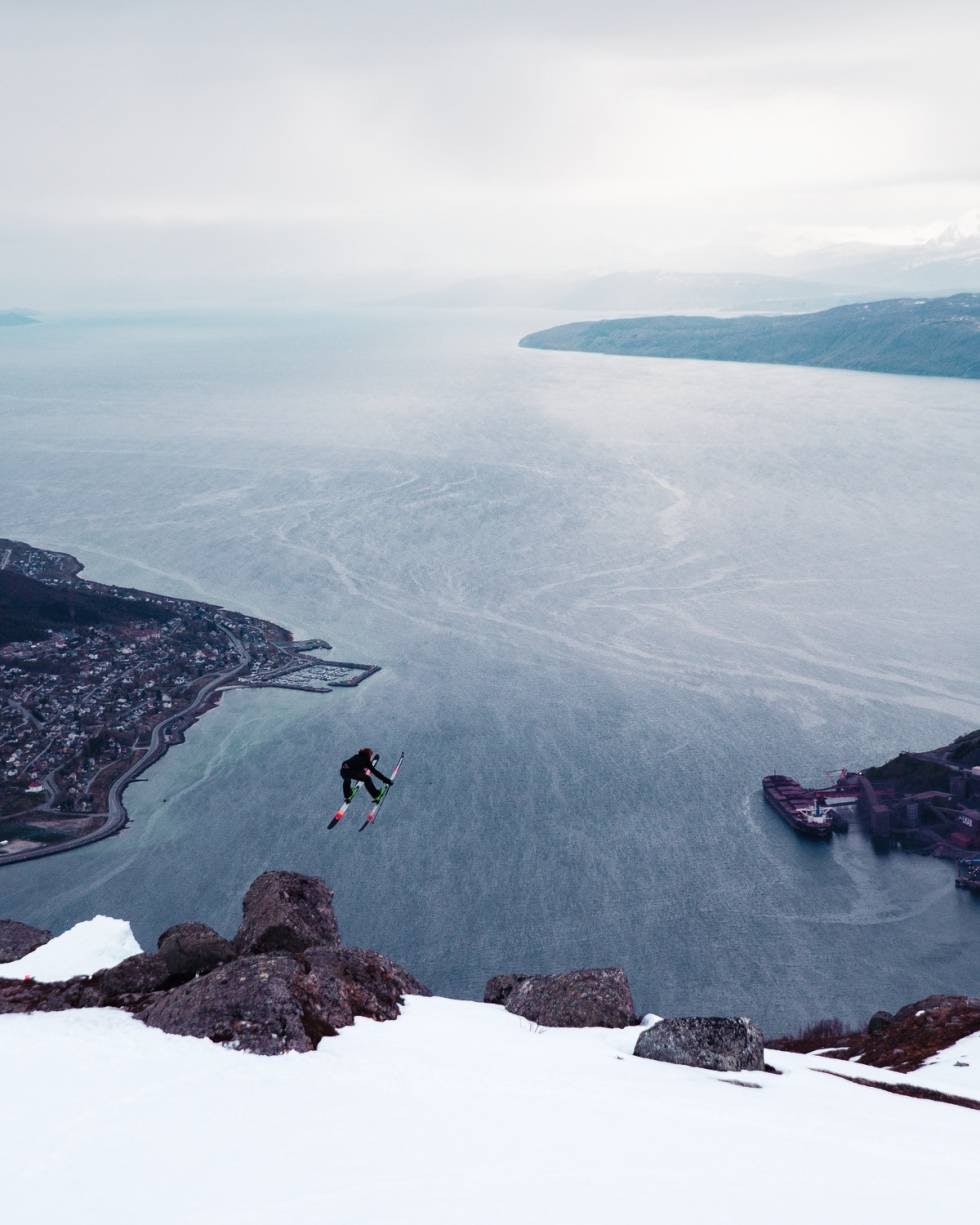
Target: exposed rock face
[264,1002]
[498,989]
[579,998]
[270,1003]
[253,1003]
[915,1033]
[190,949]
[137,976]
[362,982]
[903,1041]
[724,1044]
[17,939]
[126,985]
[26,995]
[287,912]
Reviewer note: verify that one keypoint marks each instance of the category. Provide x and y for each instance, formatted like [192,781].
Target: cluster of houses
[71,704]
[77,703]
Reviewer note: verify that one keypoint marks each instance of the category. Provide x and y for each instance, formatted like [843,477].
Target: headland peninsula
[98,681]
[924,802]
[927,336]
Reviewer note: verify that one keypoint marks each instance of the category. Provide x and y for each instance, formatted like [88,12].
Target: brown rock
[499,988]
[358,982]
[287,912]
[904,1042]
[17,939]
[26,995]
[253,1004]
[136,976]
[190,949]
[576,999]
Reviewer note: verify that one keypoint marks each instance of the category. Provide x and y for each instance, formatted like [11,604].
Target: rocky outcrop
[723,1044]
[253,1004]
[371,985]
[270,1003]
[576,999]
[26,995]
[136,976]
[498,989]
[903,1040]
[17,939]
[265,1002]
[286,912]
[190,949]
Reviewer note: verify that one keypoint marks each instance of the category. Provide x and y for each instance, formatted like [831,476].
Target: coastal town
[98,681]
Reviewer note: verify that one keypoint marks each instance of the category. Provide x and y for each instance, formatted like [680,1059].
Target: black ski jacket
[360,765]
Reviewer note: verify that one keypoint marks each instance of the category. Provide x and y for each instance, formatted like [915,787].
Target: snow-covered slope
[93,945]
[457,1112]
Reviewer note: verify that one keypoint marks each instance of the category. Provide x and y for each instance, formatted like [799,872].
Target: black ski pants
[373,789]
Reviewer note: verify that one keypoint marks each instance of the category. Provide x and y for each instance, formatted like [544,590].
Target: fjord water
[607,595]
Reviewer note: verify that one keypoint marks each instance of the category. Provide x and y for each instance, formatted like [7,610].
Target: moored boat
[810,811]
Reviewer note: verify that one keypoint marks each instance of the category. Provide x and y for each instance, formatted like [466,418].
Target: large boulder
[347,983]
[256,1004]
[136,976]
[190,949]
[498,989]
[287,912]
[17,939]
[723,1044]
[576,999]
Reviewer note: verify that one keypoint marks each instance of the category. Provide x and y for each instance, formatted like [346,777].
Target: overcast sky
[317,141]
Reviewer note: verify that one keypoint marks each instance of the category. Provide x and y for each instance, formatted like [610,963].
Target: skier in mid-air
[358,769]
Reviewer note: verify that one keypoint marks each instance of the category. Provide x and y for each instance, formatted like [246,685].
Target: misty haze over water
[607,595]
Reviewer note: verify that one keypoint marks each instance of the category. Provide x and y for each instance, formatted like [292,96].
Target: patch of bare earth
[903,1041]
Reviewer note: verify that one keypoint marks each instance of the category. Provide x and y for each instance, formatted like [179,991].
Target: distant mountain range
[642,291]
[821,277]
[15,319]
[937,336]
[946,263]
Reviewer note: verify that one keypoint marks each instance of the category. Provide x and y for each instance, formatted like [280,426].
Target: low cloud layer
[227,144]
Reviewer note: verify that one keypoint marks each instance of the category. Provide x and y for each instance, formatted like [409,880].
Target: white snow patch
[456,1112]
[93,945]
[954,1070]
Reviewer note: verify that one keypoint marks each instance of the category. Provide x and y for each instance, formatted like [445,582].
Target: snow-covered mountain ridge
[456,1112]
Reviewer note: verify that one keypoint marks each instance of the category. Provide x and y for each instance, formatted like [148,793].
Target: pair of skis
[373,811]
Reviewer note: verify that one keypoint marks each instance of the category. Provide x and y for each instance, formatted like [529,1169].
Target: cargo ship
[813,811]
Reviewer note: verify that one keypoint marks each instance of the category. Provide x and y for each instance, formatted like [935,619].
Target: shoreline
[265,654]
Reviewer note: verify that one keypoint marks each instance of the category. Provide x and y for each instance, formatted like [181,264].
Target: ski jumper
[359,768]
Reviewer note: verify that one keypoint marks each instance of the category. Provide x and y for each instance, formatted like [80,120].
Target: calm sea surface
[607,594]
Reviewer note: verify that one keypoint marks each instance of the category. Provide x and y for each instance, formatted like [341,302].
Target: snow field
[455,1113]
[93,945]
